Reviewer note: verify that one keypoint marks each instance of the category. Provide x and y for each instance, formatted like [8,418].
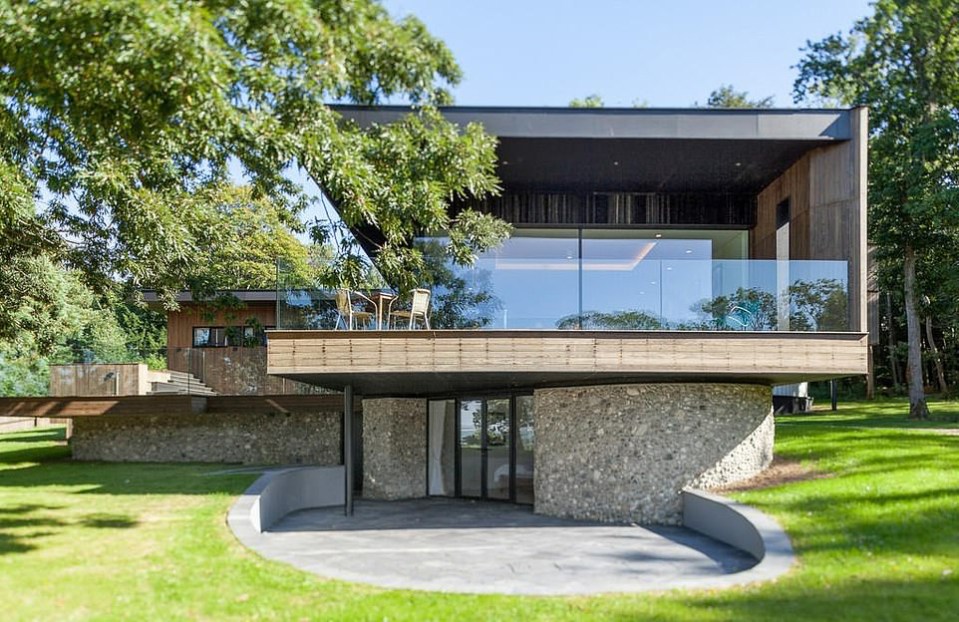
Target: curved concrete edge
[743,527]
[277,493]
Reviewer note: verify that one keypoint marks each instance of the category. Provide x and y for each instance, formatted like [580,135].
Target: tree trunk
[891,334]
[940,372]
[917,397]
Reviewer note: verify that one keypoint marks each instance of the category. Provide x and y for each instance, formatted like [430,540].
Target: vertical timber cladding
[827,193]
[394,448]
[623,453]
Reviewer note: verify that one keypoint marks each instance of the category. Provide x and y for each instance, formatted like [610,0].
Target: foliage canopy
[903,63]
[130,120]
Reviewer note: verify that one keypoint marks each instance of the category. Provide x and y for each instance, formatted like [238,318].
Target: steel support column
[348,448]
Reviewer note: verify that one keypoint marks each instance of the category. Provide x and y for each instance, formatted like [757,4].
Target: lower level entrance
[481,448]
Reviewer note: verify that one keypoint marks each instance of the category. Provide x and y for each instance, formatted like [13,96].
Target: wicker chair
[419,308]
[347,315]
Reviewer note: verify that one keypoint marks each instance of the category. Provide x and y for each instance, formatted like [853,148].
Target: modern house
[666,269]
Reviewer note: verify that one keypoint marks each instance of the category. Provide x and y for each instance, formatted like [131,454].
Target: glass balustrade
[567,282]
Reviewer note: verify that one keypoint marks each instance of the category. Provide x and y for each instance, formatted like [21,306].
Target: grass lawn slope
[877,535]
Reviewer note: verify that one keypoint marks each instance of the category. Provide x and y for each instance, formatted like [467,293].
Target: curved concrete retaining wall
[277,493]
[743,527]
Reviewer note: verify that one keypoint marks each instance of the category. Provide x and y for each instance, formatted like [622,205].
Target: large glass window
[209,336]
[525,443]
[471,448]
[498,466]
[481,448]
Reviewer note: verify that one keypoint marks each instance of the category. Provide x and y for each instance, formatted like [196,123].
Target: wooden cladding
[621,208]
[69,407]
[167,405]
[757,357]
[826,190]
[180,323]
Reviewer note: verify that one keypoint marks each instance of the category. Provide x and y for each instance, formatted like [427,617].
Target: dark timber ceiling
[636,150]
[646,165]
[399,384]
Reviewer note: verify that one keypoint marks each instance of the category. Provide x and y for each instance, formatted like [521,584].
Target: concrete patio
[457,545]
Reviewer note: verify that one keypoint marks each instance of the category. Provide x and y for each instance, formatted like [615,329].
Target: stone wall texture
[394,448]
[247,438]
[625,452]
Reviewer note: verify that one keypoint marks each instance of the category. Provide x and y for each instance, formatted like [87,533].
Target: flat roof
[818,124]
[244,295]
[658,150]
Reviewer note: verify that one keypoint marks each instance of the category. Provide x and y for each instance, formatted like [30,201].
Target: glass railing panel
[541,282]
[305,309]
[531,281]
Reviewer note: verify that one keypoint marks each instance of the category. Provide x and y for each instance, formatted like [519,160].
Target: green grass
[878,539]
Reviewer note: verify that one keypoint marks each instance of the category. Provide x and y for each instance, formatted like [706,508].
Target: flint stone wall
[623,453]
[394,448]
[247,438]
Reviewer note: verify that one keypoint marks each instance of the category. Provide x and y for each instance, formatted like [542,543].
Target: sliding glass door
[481,448]
[499,467]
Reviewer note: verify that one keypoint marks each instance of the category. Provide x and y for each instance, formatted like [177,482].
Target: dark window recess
[782,213]
[620,208]
[209,336]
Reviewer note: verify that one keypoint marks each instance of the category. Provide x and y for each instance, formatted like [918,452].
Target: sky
[666,53]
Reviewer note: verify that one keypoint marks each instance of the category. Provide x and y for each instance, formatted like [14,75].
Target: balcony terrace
[533,314]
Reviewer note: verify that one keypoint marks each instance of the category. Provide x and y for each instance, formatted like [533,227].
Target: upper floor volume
[659,219]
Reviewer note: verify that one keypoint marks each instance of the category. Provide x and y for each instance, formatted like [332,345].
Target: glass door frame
[484,458]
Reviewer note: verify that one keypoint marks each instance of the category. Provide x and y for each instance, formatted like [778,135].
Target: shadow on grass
[892,490]
[33,461]
[35,436]
[19,525]
[849,599]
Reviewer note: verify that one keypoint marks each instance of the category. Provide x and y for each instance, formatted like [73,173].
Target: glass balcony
[612,280]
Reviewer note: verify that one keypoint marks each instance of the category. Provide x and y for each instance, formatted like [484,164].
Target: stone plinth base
[394,448]
[625,452]
[248,438]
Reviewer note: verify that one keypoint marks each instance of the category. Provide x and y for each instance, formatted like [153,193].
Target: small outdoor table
[381,300]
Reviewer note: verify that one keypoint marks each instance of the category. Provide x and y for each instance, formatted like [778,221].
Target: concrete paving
[456,545]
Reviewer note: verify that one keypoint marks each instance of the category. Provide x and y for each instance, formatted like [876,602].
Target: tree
[616,320]
[590,101]
[902,62]
[728,97]
[819,305]
[66,323]
[130,120]
[748,308]
[242,238]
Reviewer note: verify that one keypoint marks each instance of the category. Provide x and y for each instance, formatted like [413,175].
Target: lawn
[877,537]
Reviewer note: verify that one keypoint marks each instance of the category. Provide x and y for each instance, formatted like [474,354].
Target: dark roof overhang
[735,151]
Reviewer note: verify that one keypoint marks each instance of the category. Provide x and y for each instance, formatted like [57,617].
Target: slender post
[348,448]
[834,394]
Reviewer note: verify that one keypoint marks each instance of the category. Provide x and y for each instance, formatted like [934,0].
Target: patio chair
[348,315]
[419,308]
